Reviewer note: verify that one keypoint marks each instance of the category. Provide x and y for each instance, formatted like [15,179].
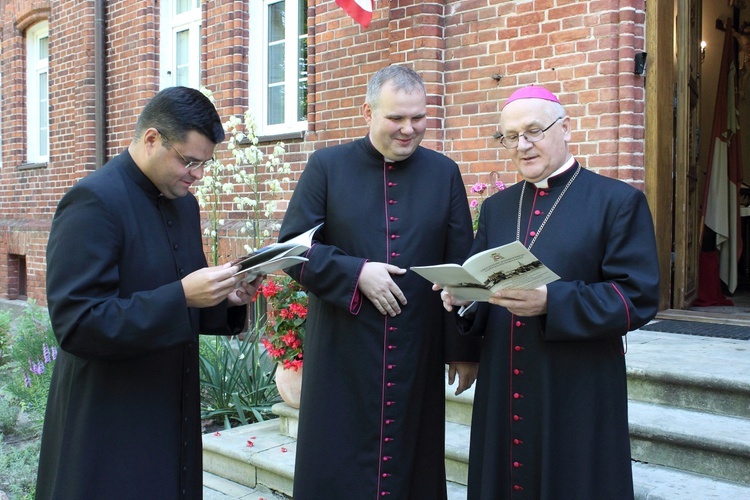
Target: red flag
[721,204]
[359,10]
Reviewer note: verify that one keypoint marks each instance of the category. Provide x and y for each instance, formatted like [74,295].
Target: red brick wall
[472,54]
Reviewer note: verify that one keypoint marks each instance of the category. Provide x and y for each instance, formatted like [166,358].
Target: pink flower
[478,188]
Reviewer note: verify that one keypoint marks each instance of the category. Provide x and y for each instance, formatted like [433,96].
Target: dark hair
[401,77]
[175,111]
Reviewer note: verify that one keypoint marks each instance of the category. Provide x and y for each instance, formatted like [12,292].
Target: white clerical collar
[544,183]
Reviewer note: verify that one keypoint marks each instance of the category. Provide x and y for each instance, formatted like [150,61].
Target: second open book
[510,266]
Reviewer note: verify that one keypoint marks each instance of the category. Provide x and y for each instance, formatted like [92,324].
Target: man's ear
[367,112]
[152,139]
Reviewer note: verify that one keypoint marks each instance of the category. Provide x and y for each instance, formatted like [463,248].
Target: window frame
[171,24]
[35,68]
[258,79]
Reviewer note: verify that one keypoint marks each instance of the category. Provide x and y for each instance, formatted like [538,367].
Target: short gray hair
[401,77]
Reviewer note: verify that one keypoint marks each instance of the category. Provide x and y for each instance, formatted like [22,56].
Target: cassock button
[517,441]
[517,396]
[537,212]
[517,418]
[517,487]
[532,233]
[519,324]
[393,219]
[516,464]
[517,371]
[391,202]
[394,254]
[518,348]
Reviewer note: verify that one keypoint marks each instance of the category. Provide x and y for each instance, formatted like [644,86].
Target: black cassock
[550,407]
[373,391]
[123,415]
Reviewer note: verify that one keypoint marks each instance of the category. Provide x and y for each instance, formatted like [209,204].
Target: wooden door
[686,210]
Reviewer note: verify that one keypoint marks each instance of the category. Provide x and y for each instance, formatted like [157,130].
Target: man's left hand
[467,374]
[522,302]
[245,292]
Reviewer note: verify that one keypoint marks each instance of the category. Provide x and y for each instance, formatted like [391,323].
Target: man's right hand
[376,283]
[209,286]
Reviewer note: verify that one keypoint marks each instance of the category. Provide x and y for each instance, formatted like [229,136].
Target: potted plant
[285,333]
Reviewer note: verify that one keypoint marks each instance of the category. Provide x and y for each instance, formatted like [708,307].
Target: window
[180,43]
[278,72]
[37,92]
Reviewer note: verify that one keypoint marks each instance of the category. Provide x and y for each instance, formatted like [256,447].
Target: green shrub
[18,468]
[8,415]
[237,380]
[5,318]
[32,352]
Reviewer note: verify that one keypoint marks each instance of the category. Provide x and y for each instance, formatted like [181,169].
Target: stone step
[458,408]
[265,467]
[688,371]
[268,463]
[656,482]
[694,441]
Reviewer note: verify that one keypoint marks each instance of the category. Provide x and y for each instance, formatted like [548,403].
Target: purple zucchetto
[532,92]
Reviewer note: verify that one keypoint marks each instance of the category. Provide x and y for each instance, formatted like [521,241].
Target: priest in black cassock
[550,414]
[372,413]
[129,291]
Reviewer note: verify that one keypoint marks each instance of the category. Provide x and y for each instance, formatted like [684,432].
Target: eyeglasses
[189,165]
[533,135]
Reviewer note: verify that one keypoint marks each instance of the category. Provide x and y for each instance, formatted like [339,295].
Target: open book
[505,267]
[275,256]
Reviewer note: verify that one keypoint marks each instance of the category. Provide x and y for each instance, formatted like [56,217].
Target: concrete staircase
[689,420]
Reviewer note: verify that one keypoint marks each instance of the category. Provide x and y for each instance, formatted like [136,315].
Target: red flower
[286,317]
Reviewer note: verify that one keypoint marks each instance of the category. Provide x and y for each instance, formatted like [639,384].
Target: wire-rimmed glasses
[533,135]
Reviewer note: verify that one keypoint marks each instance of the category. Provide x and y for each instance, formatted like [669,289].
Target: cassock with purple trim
[372,414]
[550,414]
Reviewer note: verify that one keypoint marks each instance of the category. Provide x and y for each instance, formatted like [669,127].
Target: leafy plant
[18,468]
[237,375]
[249,178]
[5,318]
[8,415]
[32,353]
[237,380]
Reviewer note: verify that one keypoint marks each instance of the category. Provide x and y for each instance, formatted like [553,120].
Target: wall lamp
[703,50]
